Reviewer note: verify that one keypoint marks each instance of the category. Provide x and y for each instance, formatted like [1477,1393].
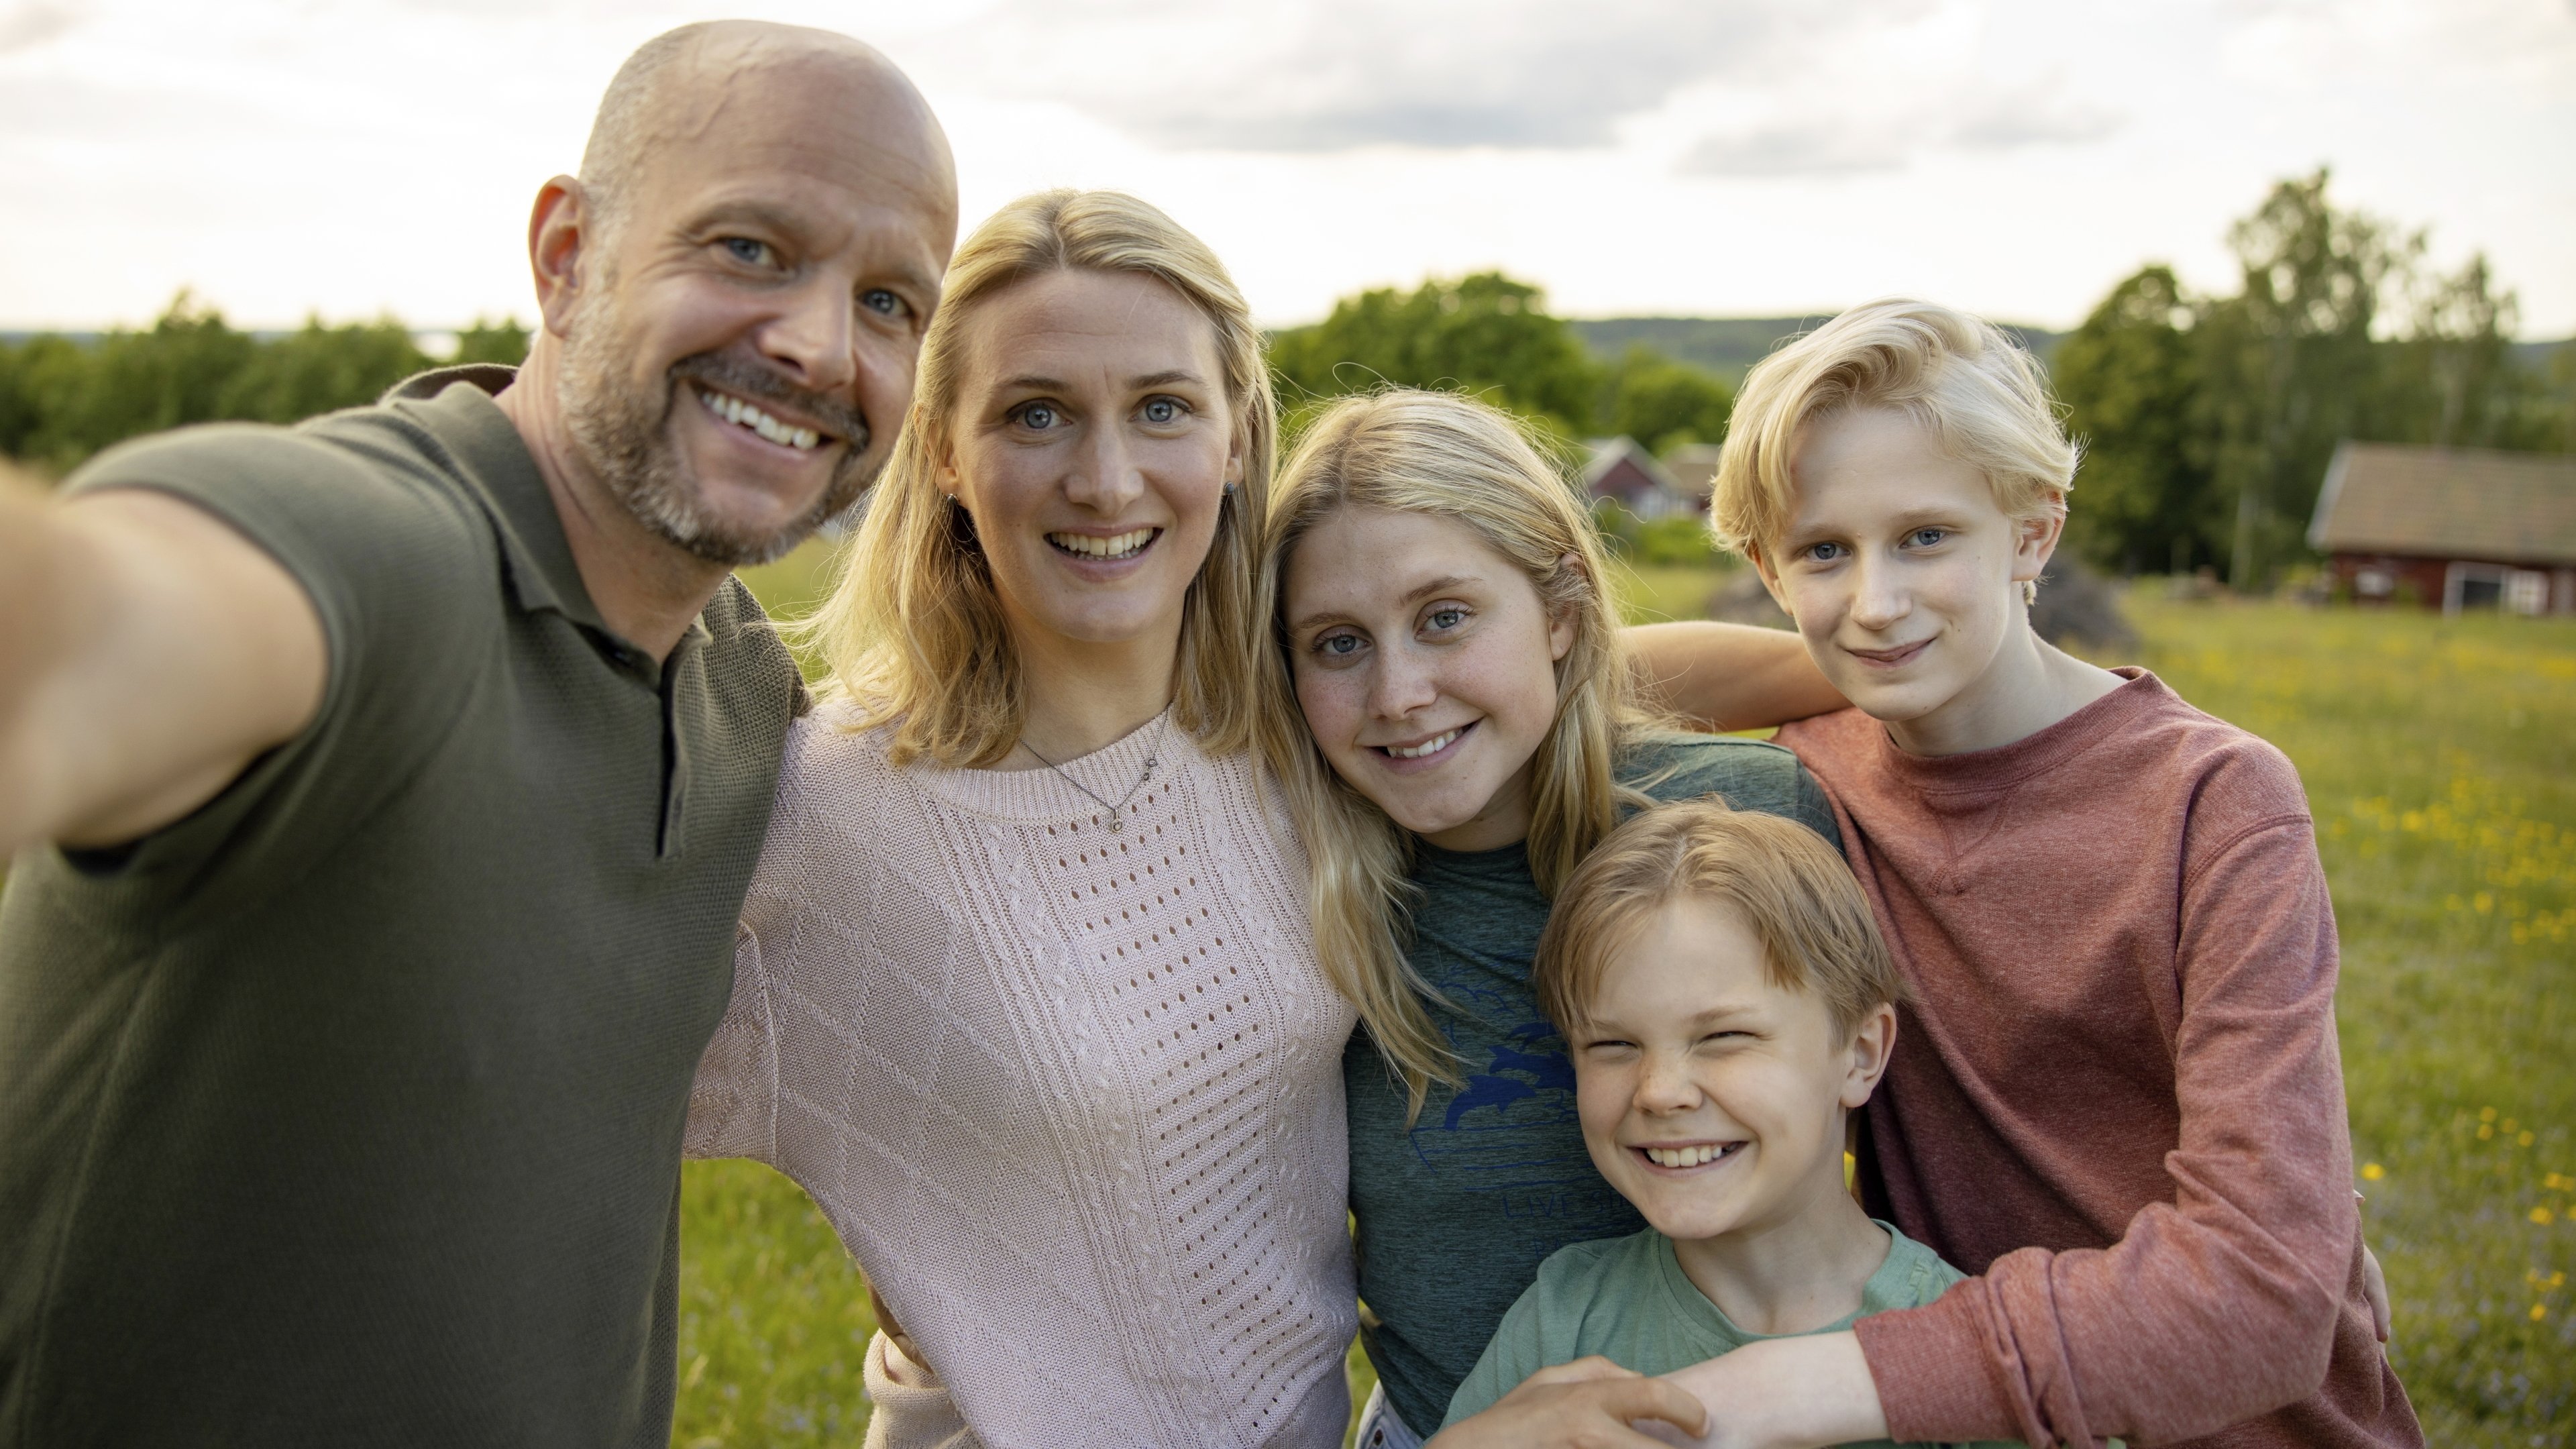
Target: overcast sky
[1713,157]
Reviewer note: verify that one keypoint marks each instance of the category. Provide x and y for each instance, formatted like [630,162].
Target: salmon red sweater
[2117,1096]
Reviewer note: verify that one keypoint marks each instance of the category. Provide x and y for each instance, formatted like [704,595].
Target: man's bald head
[736,287]
[678,87]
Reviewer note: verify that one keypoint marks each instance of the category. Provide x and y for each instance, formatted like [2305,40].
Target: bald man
[384,790]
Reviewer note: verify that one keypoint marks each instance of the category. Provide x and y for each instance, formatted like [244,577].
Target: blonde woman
[1454,719]
[1024,992]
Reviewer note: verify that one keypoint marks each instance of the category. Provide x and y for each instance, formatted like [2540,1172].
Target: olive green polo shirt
[348,1110]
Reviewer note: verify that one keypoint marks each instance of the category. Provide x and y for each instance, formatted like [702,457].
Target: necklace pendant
[1116,824]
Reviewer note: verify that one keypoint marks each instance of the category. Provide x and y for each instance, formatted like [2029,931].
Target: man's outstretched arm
[1731,676]
[148,654]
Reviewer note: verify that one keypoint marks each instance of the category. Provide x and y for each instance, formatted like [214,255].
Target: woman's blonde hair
[1983,399]
[1781,879]
[1407,451]
[913,632]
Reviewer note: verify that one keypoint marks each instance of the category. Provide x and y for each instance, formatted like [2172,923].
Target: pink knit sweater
[1073,1097]
[2117,1096]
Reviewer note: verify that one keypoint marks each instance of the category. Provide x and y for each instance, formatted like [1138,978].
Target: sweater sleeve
[733,1104]
[2222,1304]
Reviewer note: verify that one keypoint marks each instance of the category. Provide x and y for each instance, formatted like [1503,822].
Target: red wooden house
[2450,528]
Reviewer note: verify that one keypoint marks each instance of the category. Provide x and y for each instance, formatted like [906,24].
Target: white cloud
[31,23]
[1738,157]
[1962,116]
[1341,74]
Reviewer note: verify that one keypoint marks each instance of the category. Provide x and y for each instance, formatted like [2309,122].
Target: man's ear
[1873,1042]
[1561,626]
[557,229]
[2034,541]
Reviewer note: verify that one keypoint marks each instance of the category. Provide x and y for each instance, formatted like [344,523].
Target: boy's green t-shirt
[1628,1300]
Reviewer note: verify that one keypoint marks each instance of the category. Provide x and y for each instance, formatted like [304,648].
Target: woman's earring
[2029,592]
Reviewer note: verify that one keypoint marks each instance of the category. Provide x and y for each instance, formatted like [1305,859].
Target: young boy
[1728,1004]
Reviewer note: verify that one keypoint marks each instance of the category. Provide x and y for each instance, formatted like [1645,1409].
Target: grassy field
[2440,758]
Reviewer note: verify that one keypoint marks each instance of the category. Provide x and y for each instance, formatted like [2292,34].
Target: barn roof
[1601,469]
[2461,503]
[1694,467]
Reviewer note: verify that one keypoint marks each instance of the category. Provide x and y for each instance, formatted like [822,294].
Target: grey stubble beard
[624,434]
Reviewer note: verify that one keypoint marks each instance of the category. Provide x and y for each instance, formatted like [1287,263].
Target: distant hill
[1729,346]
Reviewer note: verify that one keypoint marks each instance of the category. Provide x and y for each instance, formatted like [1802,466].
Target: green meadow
[2440,760]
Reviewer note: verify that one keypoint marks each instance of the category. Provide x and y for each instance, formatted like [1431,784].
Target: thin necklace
[1117,812]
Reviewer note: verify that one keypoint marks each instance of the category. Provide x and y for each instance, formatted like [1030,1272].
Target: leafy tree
[1662,403]
[2131,379]
[131,383]
[2452,380]
[2290,361]
[321,369]
[1484,334]
[504,341]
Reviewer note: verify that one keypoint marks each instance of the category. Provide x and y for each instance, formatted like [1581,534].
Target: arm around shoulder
[2223,1304]
[148,653]
[1730,676]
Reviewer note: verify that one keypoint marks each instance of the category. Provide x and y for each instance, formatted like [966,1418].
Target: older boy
[1729,1005]
[2121,1102]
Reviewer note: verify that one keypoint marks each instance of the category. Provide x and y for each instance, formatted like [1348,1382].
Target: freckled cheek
[1601,1101]
[1329,700]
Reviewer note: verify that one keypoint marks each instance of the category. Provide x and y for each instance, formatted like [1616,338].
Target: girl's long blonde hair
[913,633]
[1407,451]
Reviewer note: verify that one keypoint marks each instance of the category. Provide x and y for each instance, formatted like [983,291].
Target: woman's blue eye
[1337,644]
[1447,618]
[1037,416]
[1162,410]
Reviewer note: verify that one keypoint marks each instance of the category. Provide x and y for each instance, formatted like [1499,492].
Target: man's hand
[148,653]
[1730,676]
[1788,1393]
[1587,1404]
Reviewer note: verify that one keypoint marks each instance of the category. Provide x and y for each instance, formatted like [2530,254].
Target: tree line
[63,399]
[2207,419]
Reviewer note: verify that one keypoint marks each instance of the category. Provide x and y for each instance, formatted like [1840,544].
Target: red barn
[2451,528]
[1620,469]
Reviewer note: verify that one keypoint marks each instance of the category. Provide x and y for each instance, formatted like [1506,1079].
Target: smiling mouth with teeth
[1687,1156]
[743,415]
[1115,548]
[1431,746]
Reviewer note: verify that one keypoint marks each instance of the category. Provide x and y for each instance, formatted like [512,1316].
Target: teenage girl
[1447,641]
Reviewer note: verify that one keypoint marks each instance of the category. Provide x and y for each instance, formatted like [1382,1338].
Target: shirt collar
[454,405]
